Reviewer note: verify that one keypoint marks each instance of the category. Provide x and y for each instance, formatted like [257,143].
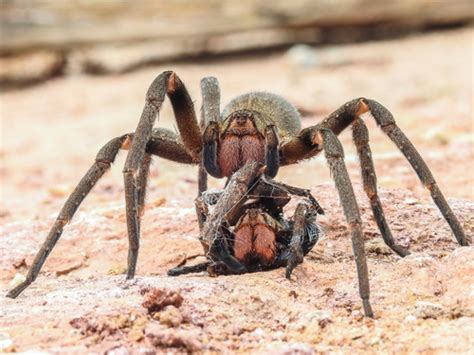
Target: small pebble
[425,310]
[17,279]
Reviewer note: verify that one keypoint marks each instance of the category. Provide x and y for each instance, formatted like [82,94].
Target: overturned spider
[247,231]
[258,127]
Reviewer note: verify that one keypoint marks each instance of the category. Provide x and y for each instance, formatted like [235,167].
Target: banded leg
[211,120]
[168,84]
[360,135]
[303,147]
[335,156]
[210,112]
[385,120]
[103,160]
[297,239]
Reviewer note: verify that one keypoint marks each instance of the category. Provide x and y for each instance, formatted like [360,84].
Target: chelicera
[258,127]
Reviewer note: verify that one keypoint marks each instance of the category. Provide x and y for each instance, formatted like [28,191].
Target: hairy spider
[247,231]
[259,127]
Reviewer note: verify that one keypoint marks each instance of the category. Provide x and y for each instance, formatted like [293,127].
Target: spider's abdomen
[267,109]
[254,240]
[235,151]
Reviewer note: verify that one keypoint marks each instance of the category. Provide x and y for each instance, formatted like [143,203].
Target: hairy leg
[387,123]
[335,157]
[360,135]
[303,147]
[168,84]
[102,163]
[295,247]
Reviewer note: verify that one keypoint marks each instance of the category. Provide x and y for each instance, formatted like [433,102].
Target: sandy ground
[81,301]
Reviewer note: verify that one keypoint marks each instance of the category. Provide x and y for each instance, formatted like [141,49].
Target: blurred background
[74,74]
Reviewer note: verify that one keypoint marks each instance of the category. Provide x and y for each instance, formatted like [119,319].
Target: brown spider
[247,231]
[253,127]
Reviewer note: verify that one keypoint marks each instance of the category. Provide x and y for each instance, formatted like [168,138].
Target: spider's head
[241,122]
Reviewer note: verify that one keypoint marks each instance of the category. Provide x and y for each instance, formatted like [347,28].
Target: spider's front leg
[304,236]
[310,142]
[163,143]
[166,84]
[335,156]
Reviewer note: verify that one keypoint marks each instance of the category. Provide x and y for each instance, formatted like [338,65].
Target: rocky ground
[81,302]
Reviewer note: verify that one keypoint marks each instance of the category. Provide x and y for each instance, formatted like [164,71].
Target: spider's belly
[255,240]
[235,151]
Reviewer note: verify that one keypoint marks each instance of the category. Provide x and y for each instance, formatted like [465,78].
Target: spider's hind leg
[102,163]
[334,154]
[166,84]
[387,123]
[360,135]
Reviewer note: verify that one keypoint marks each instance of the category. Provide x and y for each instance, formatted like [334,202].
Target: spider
[261,238]
[257,126]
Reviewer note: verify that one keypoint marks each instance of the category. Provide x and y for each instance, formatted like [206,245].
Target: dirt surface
[81,302]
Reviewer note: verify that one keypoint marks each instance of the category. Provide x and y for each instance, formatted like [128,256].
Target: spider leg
[103,161]
[211,121]
[272,153]
[210,111]
[163,143]
[142,180]
[385,120]
[334,154]
[303,147]
[360,135]
[182,270]
[168,84]
[289,190]
[228,207]
[295,255]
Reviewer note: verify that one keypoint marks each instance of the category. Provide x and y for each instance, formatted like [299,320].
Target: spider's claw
[367,308]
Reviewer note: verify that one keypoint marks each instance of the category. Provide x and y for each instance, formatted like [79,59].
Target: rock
[6,343]
[377,246]
[244,328]
[292,348]
[303,55]
[410,319]
[29,68]
[427,310]
[170,316]
[17,279]
[117,270]
[158,298]
[313,319]
[60,190]
[69,268]
[117,350]
[159,337]
[135,335]
[258,333]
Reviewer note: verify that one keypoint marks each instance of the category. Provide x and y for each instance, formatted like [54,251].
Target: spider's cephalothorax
[256,126]
[249,129]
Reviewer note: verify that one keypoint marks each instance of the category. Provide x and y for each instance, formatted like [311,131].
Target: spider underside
[258,127]
[247,231]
